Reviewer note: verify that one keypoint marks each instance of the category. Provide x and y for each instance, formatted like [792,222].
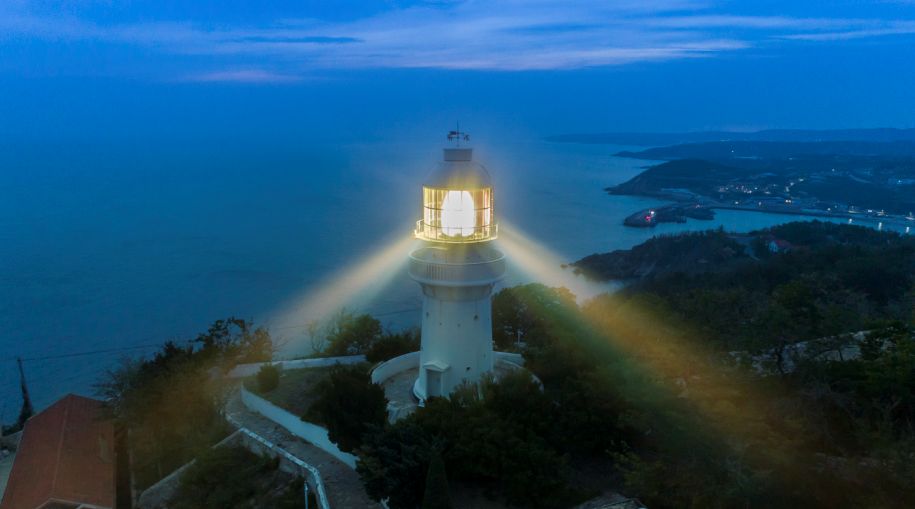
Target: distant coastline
[646,139]
[855,175]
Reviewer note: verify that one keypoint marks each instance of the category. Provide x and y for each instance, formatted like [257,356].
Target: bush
[349,334]
[348,405]
[437,494]
[393,345]
[484,445]
[225,477]
[268,378]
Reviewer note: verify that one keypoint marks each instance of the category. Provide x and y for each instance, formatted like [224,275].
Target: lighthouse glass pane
[456,215]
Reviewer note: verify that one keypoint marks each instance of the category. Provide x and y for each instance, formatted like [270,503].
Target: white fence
[513,358]
[312,433]
[391,367]
[243,370]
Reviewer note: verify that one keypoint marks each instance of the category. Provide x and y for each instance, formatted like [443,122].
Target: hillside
[762,150]
[690,253]
[838,277]
[826,177]
[800,362]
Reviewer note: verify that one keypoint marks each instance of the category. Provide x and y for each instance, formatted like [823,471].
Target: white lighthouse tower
[457,268]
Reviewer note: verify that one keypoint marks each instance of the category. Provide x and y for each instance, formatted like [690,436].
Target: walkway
[344,488]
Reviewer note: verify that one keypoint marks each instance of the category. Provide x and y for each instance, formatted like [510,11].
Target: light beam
[350,287]
[544,266]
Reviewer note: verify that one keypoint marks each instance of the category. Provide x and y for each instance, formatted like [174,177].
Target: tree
[171,403]
[232,341]
[437,494]
[393,345]
[508,458]
[519,312]
[349,404]
[394,461]
[316,336]
[349,334]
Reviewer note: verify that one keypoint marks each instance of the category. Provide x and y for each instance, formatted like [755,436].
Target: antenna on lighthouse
[457,135]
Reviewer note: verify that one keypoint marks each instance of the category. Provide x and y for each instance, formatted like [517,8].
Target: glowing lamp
[458,214]
[457,201]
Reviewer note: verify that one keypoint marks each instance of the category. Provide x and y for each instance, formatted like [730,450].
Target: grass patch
[296,390]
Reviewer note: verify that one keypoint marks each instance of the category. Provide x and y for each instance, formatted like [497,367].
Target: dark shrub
[349,404]
[437,494]
[393,345]
[221,477]
[268,378]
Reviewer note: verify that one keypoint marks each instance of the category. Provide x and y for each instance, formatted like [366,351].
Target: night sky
[170,70]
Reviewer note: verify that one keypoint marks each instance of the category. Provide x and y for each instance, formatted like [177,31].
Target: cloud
[495,35]
[867,31]
[242,76]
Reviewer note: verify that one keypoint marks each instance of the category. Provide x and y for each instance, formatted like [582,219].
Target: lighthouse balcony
[455,234]
[436,267]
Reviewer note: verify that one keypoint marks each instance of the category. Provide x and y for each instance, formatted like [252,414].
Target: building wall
[457,332]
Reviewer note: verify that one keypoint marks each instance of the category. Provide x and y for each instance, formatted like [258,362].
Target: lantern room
[457,201]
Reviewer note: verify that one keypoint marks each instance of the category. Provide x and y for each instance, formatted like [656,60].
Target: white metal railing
[425,231]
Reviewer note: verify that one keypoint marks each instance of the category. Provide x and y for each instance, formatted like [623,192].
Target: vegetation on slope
[232,477]
[687,253]
[642,391]
[171,404]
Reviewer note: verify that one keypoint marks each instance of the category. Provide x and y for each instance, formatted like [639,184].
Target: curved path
[344,488]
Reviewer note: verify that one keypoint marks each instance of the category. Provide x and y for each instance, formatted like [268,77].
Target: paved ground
[399,391]
[344,488]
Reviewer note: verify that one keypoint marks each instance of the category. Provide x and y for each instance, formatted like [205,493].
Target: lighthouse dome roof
[458,171]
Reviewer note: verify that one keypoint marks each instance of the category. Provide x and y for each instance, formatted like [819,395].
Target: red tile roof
[66,454]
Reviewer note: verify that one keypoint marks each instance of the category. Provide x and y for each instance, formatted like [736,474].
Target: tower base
[457,283]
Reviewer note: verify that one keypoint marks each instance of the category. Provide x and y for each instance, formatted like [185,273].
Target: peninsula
[859,173]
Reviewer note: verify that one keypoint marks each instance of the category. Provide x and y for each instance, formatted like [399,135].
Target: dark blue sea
[108,247]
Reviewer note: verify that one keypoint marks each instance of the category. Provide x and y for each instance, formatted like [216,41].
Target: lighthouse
[457,268]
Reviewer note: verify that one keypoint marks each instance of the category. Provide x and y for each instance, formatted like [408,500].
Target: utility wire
[90,352]
[157,345]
